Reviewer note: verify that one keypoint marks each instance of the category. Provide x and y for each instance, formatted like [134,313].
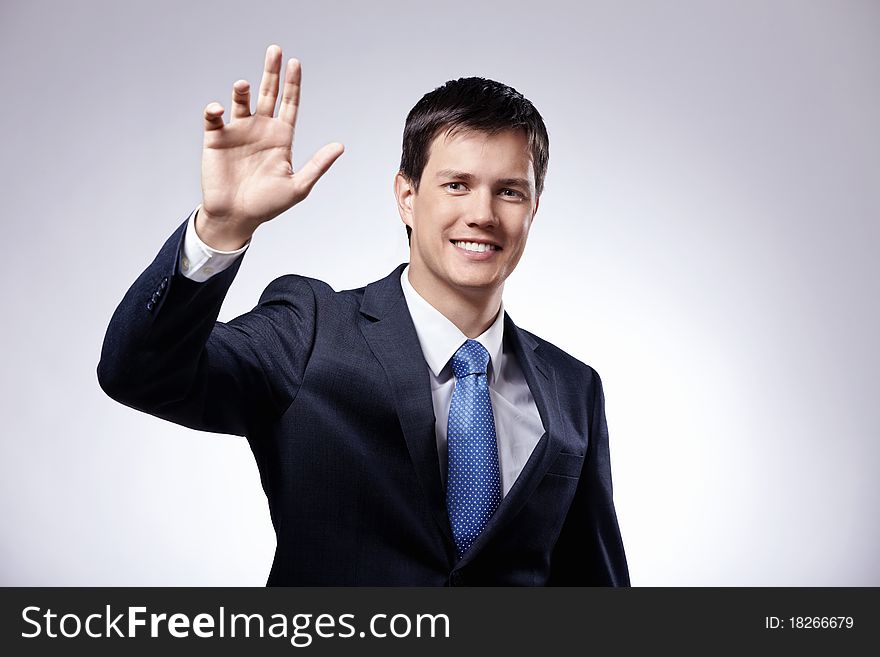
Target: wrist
[219,234]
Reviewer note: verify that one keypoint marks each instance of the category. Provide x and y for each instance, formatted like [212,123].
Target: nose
[481,212]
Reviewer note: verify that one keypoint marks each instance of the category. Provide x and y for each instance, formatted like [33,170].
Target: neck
[471,312]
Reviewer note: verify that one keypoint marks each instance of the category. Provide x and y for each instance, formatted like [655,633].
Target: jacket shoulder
[294,285]
[561,361]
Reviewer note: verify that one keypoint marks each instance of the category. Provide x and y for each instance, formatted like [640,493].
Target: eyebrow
[461,175]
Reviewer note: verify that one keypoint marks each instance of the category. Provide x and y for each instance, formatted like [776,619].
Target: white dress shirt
[198,261]
[518,426]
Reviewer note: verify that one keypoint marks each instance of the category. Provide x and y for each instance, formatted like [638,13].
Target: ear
[404,192]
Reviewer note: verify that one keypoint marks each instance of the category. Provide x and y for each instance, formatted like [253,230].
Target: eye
[512,193]
[455,186]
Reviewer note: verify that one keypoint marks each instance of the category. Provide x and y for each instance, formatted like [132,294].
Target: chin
[474,281]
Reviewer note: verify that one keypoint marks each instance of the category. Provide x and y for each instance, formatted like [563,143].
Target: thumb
[321,161]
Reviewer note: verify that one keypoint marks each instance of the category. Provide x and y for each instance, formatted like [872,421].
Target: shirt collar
[440,338]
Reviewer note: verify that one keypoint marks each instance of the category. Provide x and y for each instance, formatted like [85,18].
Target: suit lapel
[542,383]
[388,329]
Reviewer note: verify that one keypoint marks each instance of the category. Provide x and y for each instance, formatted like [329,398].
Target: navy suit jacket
[332,392]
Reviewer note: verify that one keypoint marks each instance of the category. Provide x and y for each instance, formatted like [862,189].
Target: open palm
[247,172]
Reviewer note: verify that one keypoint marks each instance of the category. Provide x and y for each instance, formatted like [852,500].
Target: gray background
[707,241]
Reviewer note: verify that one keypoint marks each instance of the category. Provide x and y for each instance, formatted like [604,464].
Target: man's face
[471,215]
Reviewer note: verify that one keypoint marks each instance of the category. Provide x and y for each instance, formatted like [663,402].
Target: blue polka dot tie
[473,482]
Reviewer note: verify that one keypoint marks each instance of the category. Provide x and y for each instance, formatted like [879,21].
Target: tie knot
[471,358]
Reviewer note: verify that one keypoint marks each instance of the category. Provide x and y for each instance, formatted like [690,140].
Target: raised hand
[247,167]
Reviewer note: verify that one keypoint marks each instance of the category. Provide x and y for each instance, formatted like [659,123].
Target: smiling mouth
[475,247]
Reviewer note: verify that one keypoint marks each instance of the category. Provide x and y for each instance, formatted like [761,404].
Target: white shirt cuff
[198,261]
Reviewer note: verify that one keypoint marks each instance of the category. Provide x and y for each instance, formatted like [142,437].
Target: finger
[316,167]
[213,116]
[290,95]
[241,100]
[269,84]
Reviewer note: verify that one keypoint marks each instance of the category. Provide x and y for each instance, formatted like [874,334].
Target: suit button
[164,283]
[155,297]
[150,306]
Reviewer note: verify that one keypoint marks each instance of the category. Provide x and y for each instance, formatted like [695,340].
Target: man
[407,432]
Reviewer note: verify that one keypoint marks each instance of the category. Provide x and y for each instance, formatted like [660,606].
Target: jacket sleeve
[590,551]
[166,354]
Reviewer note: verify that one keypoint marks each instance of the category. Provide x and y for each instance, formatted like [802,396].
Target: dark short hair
[474,104]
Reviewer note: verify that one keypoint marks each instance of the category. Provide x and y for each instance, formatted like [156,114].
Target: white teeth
[475,246]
